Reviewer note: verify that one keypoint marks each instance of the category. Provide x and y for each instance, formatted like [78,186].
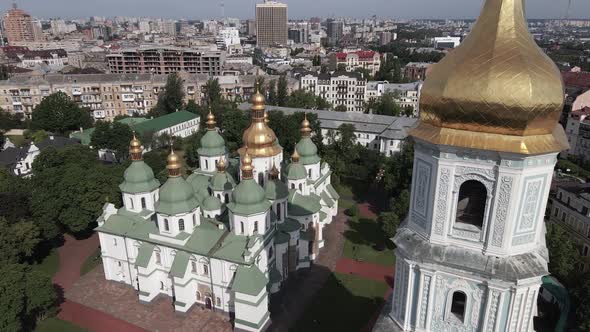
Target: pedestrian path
[365,270]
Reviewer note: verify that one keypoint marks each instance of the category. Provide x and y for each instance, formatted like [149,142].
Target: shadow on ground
[367,232]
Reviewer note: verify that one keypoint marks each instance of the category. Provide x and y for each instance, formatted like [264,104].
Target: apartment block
[351,61]
[166,60]
[271,24]
[339,88]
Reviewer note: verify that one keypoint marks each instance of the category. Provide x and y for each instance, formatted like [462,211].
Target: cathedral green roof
[300,205]
[333,193]
[296,171]
[212,144]
[281,237]
[163,122]
[289,225]
[176,196]
[248,198]
[222,181]
[144,254]
[179,265]
[308,151]
[249,280]
[138,178]
[276,189]
[327,199]
[211,203]
[200,183]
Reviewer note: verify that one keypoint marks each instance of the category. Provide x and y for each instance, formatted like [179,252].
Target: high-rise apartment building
[18,25]
[335,30]
[271,24]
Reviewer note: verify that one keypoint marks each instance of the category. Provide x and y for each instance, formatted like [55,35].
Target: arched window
[194,220]
[256,227]
[143,205]
[270,253]
[198,296]
[193,266]
[131,203]
[261,179]
[279,211]
[166,225]
[206,164]
[292,185]
[218,302]
[210,191]
[158,258]
[241,227]
[114,242]
[205,269]
[458,305]
[181,225]
[471,204]
[161,285]
[309,173]
[226,198]
[301,187]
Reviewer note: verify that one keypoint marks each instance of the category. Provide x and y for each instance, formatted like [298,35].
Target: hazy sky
[297,8]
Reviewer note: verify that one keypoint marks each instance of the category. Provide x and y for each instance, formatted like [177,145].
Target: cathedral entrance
[208,303]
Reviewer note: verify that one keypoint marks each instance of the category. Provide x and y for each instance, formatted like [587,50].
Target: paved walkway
[366,211]
[94,320]
[365,270]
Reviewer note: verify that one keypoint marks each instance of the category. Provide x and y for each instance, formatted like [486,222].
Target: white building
[575,132]
[211,241]
[229,39]
[340,88]
[405,94]
[19,161]
[471,254]
[446,42]
[351,61]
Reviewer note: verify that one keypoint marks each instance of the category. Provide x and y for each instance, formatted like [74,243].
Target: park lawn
[55,324]
[49,264]
[360,241]
[91,262]
[344,303]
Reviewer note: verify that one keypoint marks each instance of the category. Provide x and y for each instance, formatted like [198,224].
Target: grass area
[49,264]
[362,240]
[91,262]
[18,140]
[55,324]
[345,303]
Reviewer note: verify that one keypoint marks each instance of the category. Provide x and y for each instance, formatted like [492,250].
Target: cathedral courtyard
[348,271]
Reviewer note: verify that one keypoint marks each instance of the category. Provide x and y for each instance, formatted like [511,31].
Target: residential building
[576,135]
[228,235]
[18,26]
[416,71]
[386,134]
[19,160]
[339,88]
[569,207]
[166,60]
[25,58]
[404,94]
[471,254]
[351,61]
[299,32]
[271,24]
[335,31]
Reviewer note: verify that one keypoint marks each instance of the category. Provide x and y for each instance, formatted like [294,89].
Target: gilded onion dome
[135,149]
[259,139]
[176,195]
[138,177]
[306,148]
[212,144]
[496,91]
[173,164]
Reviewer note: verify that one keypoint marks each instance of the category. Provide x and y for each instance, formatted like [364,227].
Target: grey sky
[297,8]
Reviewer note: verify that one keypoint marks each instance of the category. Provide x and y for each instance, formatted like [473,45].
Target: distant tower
[471,254]
[271,24]
[18,25]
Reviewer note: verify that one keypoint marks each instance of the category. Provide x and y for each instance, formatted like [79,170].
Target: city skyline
[398,9]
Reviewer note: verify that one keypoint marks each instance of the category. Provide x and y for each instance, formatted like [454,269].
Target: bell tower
[471,254]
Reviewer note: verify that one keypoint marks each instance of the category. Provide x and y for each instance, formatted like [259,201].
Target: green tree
[18,241]
[341,67]
[57,113]
[389,223]
[366,73]
[9,121]
[272,93]
[564,256]
[386,105]
[193,107]
[234,122]
[401,204]
[191,146]
[301,99]
[171,98]
[282,93]
[112,136]
[340,108]
[212,91]
[322,104]
[317,61]
[580,294]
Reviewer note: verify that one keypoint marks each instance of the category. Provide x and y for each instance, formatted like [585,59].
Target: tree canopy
[57,113]
[114,136]
[171,98]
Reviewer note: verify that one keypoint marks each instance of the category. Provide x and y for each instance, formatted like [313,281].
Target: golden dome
[259,139]
[295,156]
[266,120]
[496,91]
[274,172]
[135,149]
[305,126]
[173,164]
[211,121]
[247,169]
[221,165]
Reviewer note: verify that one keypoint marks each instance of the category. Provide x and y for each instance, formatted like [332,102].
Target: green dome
[211,203]
[276,189]
[222,181]
[308,151]
[198,182]
[212,144]
[296,171]
[138,178]
[176,196]
[248,198]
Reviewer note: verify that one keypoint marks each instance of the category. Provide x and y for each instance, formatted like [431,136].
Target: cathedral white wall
[263,220]
[264,165]
[249,310]
[133,202]
[190,220]
[299,185]
[313,171]
[209,163]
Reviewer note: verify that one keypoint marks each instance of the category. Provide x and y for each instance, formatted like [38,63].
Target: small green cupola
[248,197]
[275,189]
[295,170]
[176,195]
[308,151]
[222,180]
[212,144]
[138,177]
